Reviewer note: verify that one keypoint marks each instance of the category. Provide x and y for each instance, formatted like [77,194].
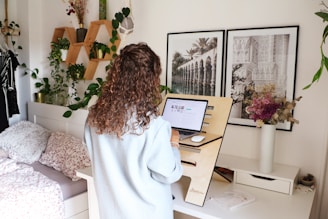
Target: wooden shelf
[59,32]
[75,48]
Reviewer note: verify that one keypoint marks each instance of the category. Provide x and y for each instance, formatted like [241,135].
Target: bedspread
[25,193]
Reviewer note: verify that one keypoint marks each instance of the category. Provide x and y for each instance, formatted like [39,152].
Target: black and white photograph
[257,58]
[194,62]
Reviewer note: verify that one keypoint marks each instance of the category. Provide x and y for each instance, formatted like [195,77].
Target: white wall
[305,146]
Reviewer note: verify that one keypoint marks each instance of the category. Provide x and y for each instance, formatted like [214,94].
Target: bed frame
[50,117]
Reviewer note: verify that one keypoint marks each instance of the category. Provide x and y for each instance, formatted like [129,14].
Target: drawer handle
[262,177]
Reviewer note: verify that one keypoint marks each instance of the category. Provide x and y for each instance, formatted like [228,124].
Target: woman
[134,158]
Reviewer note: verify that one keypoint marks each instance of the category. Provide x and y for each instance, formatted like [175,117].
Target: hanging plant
[323,14]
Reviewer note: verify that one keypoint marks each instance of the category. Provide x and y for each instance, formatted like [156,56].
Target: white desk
[267,204]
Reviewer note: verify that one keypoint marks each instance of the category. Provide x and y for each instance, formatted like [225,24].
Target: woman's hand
[175,138]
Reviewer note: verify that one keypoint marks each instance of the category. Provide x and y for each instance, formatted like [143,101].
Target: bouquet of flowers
[266,108]
[77,7]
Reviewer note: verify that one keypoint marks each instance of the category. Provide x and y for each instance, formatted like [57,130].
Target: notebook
[185,115]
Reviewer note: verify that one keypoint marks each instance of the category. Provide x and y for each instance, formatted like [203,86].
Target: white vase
[268,136]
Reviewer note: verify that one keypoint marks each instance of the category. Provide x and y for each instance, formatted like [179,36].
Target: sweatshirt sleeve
[164,162]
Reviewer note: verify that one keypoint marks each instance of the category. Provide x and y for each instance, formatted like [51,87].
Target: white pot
[63,54]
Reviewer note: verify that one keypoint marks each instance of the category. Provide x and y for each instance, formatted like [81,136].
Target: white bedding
[25,193]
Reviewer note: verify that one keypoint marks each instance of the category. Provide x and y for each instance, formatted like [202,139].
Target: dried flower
[266,108]
[77,7]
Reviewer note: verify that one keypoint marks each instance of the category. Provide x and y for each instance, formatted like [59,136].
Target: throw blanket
[25,193]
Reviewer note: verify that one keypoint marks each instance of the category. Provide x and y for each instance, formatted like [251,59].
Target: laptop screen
[185,114]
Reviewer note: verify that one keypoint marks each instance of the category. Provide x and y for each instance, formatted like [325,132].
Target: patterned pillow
[24,141]
[65,153]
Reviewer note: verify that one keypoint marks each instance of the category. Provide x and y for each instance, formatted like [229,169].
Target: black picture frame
[194,63]
[257,56]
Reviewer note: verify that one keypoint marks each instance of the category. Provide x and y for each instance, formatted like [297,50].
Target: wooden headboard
[51,117]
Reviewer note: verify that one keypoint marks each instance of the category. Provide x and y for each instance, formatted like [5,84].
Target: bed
[42,154]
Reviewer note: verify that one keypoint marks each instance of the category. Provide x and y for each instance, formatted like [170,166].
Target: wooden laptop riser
[198,162]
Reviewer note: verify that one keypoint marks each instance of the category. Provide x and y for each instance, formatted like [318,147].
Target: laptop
[185,115]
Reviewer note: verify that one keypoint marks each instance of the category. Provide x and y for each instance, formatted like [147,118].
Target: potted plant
[98,50]
[74,73]
[42,84]
[58,74]
[61,47]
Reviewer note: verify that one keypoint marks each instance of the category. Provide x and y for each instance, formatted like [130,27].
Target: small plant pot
[100,54]
[307,180]
[63,54]
[39,97]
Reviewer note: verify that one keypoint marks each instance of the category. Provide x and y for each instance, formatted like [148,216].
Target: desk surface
[267,204]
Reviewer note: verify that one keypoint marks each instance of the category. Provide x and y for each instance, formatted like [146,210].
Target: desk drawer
[278,185]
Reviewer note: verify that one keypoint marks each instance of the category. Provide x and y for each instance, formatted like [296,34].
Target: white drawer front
[277,185]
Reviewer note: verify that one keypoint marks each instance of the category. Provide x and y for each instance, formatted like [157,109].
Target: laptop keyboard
[186,133]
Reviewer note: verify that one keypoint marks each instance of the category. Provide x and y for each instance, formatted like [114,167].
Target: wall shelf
[75,48]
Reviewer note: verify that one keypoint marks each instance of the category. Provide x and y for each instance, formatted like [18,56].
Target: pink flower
[265,108]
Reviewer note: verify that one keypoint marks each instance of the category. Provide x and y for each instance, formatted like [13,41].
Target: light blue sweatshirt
[133,175]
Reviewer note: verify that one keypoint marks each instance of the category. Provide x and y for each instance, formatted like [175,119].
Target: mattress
[69,188]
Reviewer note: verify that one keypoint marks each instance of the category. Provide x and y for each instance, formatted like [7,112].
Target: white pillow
[24,141]
[65,153]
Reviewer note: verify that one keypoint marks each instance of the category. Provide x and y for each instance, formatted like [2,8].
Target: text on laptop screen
[185,114]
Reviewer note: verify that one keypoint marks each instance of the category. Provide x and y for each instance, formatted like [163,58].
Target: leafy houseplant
[61,46]
[324,59]
[62,43]
[74,73]
[58,74]
[95,88]
[42,83]
[99,50]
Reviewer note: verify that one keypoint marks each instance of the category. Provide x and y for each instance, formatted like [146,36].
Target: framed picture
[194,62]
[255,58]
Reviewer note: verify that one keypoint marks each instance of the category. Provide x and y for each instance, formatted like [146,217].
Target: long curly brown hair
[133,86]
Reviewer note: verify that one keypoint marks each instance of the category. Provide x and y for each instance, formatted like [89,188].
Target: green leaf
[325,33]
[113,48]
[119,16]
[67,114]
[323,15]
[115,23]
[307,86]
[99,80]
[126,11]
[38,84]
[325,62]
[317,75]
[114,33]
[93,86]
[74,106]
[33,75]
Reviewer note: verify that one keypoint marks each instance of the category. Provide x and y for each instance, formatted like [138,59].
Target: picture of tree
[193,63]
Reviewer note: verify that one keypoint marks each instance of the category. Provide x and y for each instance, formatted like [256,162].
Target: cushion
[65,153]
[24,141]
